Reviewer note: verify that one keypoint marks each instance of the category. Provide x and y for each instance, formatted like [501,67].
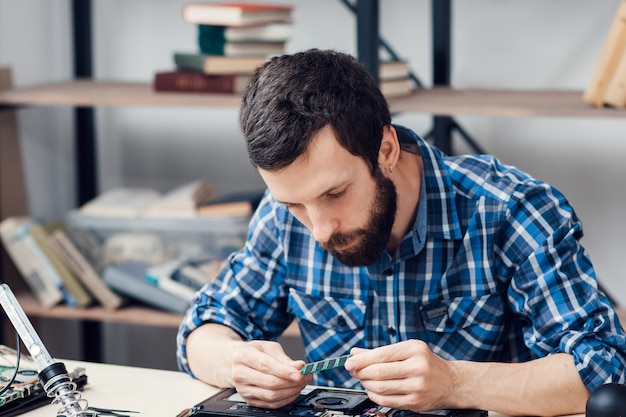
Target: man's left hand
[405,375]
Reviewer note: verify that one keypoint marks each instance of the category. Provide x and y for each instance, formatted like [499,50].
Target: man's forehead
[293,186]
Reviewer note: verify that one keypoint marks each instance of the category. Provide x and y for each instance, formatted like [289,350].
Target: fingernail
[295,376]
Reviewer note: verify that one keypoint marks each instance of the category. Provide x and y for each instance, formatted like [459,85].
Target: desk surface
[151,392]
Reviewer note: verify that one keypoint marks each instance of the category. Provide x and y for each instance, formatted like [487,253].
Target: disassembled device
[312,402]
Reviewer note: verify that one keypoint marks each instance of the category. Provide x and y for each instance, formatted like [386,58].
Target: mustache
[340,239]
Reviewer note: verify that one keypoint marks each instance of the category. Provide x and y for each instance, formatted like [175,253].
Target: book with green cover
[76,295]
[267,39]
[269,32]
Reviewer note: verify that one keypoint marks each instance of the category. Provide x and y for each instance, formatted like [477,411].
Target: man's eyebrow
[322,194]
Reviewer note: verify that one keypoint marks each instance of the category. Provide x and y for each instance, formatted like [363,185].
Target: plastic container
[157,240]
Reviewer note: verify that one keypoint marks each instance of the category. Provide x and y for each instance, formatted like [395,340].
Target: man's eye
[335,196]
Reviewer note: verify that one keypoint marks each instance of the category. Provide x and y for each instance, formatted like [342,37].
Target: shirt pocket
[475,326]
[336,314]
[454,314]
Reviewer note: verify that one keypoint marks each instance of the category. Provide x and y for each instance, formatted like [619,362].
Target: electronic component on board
[313,367]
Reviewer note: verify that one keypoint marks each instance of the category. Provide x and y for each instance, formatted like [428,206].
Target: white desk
[151,392]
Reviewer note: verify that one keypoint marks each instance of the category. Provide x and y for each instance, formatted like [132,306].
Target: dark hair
[291,97]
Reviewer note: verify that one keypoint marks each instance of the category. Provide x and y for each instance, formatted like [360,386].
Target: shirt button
[388,271]
[341,321]
[449,323]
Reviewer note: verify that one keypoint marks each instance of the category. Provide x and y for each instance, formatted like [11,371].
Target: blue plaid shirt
[492,270]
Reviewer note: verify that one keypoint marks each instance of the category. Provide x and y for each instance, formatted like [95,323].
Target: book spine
[65,249]
[75,295]
[189,81]
[193,62]
[30,260]
[211,39]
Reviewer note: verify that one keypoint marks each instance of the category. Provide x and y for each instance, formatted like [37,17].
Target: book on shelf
[615,95]
[30,260]
[393,70]
[395,78]
[87,243]
[75,294]
[396,88]
[133,202]
[128,278]
[120,202]
[181,201]
[612,50]
[196,273]
[65,248]
[242,49]
[187,81]
[235,13]
[161,276]
[217,64]
[231,204]
[266,32]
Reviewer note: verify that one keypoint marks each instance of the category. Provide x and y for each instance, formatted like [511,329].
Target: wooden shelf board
[131,314]
[87,93]
[505,103]
[437,101]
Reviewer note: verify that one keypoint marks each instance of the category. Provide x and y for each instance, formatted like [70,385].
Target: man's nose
[323,225]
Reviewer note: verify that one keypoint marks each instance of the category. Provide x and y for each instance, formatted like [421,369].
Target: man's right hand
[265,376]
[261,371]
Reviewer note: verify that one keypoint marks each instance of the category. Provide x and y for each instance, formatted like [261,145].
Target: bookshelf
[441,101]
[90,93]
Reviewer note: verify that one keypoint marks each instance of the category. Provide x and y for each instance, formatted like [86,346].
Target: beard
[370,241]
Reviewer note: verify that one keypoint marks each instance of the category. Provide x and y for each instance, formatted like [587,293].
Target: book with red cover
[235,13]
[197,82]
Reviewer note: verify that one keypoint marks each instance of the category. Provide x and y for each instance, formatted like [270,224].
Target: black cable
[17,365]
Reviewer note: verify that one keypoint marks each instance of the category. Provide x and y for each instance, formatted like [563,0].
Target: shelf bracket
[85,148]
[84,117]
[444,126]
[381,42]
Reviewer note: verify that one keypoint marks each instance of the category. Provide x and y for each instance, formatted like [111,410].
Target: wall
[529,44]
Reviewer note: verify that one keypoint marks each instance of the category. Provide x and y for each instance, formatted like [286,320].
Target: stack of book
[233,39]
[395,78]
[608,83]
[52,266]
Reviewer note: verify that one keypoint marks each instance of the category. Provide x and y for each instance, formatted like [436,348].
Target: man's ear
[389,150]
